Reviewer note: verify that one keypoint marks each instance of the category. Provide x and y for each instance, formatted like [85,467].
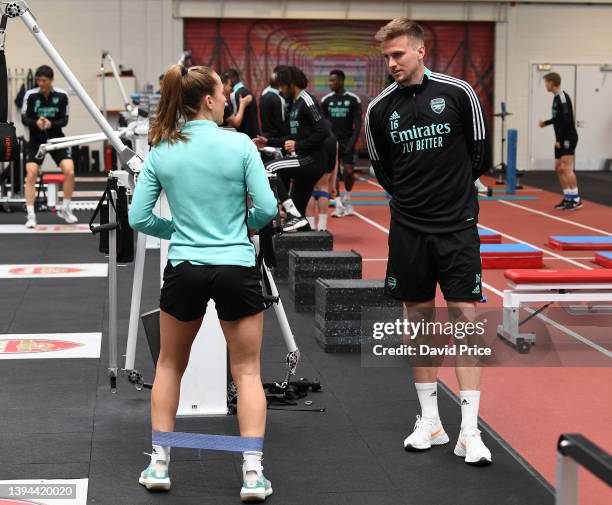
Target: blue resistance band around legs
[209,442]
[317,194]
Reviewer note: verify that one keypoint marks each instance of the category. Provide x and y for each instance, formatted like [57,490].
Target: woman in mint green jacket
[206,173]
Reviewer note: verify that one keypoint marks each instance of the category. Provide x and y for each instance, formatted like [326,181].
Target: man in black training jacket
[428,143]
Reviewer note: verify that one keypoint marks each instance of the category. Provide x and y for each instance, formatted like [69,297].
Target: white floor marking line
[373,223]
[556,218]
[50,346]
[499,293]
[53,271]
[57,229]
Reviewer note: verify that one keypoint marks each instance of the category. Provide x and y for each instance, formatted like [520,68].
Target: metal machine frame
[131,164]
[543,293]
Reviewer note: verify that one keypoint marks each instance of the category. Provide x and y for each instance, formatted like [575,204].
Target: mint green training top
[206,180]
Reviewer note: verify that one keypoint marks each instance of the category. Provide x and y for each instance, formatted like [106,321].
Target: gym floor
[59,420]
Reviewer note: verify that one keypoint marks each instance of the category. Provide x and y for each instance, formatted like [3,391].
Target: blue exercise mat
[582,239]
[502,248]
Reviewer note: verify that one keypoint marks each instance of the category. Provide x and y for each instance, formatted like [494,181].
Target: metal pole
[511,167]
[130,354]
[59,140]
[280,314]
[567,481]
[77,142]
[126,100]
[112,295]
[141,146]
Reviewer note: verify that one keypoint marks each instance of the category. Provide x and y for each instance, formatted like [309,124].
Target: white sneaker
[348,209]
[67,215]
[427,432]
[255,487]
[339,211]
[155,477]
[471,447]
[31,221]
[480,187]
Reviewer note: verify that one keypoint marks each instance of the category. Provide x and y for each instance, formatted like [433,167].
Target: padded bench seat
[546,287]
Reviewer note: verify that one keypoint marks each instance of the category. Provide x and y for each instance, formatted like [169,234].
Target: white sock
[567,192]
[322,222]
[428,398]
[30,210]
[162,452]
[574,193]
[347,196]
[252,462]
[311,222]
[470,401]
[66,203]
[290,208]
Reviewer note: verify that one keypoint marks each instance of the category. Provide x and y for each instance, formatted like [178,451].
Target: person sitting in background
[45,112]
[307,158]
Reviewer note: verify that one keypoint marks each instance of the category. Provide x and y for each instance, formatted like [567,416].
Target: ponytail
[182,91]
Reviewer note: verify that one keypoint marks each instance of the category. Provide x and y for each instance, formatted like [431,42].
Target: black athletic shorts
[187,288]
[568,148]
[419,261]
[58,156]
[347,157]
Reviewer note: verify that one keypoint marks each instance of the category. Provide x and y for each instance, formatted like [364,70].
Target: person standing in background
[566,139]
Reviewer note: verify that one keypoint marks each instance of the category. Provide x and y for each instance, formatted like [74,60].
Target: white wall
[140,34]
[544,34]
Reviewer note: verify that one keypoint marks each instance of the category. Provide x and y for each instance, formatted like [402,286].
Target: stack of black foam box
[340,304]
[303,241]
[305,267]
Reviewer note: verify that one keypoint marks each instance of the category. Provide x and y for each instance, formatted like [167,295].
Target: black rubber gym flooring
[58,419]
